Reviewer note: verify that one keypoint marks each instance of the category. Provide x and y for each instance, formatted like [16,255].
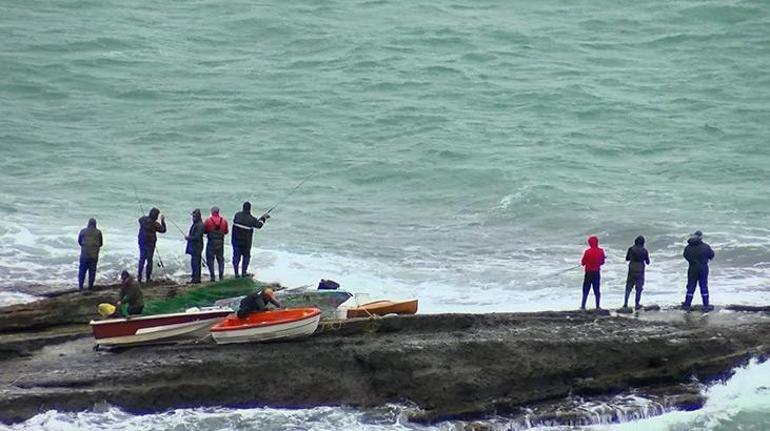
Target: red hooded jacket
[593,257]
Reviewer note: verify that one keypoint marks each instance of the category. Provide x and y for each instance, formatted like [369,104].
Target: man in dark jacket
[149,227]
[638,258]
[90,240]
[130,298]
[698,254]
[195,245]
[243,232]
[257,301]
[215,228]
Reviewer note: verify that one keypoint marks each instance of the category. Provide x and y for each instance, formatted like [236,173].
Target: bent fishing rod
[291,192]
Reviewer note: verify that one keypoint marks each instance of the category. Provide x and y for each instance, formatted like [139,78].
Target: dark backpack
[328,285]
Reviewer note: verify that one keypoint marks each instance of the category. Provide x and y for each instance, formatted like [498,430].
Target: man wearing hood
[698,254]
[90,240]
[149,227]
[215,228]
[195,245]
[130,298]
[243,232]
[638,258]
[593,259]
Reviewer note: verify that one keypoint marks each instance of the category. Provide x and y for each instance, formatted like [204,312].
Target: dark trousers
[241,256]
[635,280]
[146,252]
[217,253]
[88,265]
[195,264]
[243,313]
[591,279]
[699,276]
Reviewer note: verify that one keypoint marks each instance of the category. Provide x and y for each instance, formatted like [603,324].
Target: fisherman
[257,301]
[195,245]
[698,254]
[243,232]
[593,259]
[130,298]
[149,227]
[215,228]
[90,240]
[637,258]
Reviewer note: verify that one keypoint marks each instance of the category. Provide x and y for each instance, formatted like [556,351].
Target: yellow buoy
[106,310]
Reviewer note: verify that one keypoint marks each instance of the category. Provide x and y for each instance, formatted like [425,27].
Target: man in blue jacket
[698,254]
[195,245]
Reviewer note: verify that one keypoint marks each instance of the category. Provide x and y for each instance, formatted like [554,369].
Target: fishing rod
[177,227]
[554,274]
[291,192]
[572,268]
[141,208]
[203,261]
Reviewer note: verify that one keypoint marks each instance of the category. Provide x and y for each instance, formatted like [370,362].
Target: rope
[330,325]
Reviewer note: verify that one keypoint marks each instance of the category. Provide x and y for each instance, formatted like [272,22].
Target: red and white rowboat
[267,325]
[158,328]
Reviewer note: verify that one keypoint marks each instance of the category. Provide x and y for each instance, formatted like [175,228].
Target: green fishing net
[204,296]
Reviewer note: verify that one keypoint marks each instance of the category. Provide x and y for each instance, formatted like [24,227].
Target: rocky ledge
[449,366]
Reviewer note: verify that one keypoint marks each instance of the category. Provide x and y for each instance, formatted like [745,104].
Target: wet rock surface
[462,366]
[72,307]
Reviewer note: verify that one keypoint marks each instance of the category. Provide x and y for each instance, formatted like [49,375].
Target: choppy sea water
[740,403]
[462,151]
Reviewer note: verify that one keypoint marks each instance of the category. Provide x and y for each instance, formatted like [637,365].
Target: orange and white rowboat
[267,325]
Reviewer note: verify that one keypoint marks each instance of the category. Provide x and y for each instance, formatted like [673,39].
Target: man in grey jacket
[90,240]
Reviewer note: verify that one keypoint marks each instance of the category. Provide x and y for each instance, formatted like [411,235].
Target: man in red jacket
[215,228]
[593,259]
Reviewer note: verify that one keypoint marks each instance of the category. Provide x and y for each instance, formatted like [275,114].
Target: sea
[459,152]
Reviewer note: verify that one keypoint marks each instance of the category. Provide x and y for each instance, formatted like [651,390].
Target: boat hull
[234,330]
[160,328]
[381,308]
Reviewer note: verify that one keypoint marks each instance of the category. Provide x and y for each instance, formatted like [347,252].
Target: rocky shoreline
[449,366]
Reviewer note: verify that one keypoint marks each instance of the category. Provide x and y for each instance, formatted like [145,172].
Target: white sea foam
[12,298]
[209,419]
[740,403]
[527,280]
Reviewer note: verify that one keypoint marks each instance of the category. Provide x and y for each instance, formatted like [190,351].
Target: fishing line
[291,192]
